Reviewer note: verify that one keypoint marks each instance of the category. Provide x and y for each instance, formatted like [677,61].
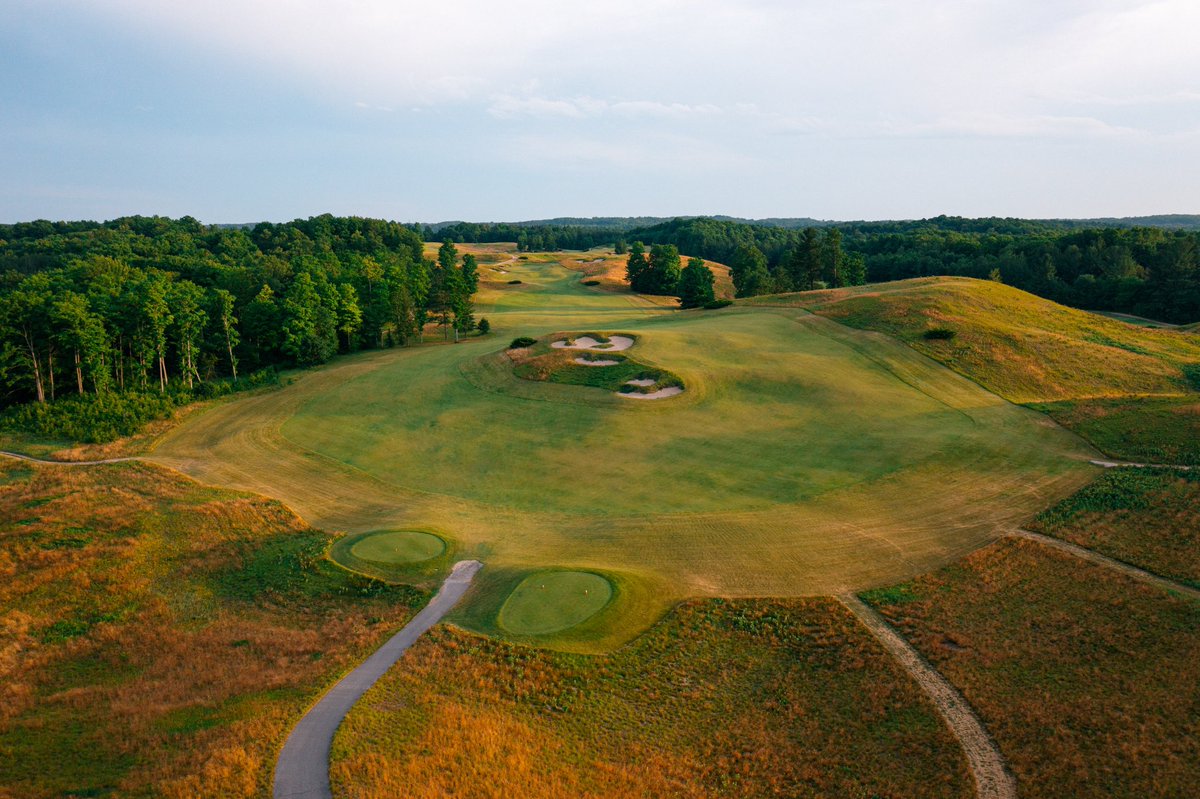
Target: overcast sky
[464,109]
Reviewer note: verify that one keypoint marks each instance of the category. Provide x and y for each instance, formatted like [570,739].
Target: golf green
[547,602]
[400,546]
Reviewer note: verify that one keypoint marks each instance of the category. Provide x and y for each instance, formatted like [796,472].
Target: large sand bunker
[614,344]
[589,362]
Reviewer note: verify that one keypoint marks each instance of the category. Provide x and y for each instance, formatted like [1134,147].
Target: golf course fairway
[804,457]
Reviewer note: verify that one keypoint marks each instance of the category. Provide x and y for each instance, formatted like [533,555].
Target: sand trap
[669,391]
[586,362]
[645,381]
[615,344]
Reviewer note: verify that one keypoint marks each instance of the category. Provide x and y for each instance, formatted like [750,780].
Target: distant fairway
[805,457]
[405,546]
[547,602]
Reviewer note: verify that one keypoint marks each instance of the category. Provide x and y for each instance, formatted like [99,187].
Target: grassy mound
[732,699]
[401,546]
[1022,347]
[550,601]
[544,363]
[1085,677]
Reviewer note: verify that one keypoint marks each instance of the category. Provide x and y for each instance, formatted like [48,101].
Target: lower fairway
[741,699]
[404,546]
[551,601]
[1086,678]
[804,457]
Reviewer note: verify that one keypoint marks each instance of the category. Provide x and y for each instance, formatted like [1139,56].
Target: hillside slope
[1132,391]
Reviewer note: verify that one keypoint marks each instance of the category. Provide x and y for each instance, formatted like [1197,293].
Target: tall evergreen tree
[695,284]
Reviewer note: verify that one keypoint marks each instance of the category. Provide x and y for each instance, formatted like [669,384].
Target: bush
[591,282]
[513,282]
[89,418]
[939,334]
[521,342]
[484,326]
[712,305]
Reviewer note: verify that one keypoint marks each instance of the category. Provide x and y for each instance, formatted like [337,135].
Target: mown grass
[554,600]
[731,699]
[1085,677]
[425,573]
[159,639]
[1147,517]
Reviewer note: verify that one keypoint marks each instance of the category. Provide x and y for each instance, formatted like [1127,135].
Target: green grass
[1085,677]
[401,546]
[551,601]
[804,456]
[1147,517]
[1163,430]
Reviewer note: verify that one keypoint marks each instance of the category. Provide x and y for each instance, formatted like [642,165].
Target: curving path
[1103,560]
[992,779]
[45,462]
[302,771]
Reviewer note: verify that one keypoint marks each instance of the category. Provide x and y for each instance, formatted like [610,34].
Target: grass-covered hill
[1132,391]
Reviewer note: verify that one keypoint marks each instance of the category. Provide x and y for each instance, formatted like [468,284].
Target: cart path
[1165,583]
[302,771]
[992,778]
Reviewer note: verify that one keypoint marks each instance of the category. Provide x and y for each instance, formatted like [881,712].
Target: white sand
[586,362]
[645,381]
[615,344]
[669,391]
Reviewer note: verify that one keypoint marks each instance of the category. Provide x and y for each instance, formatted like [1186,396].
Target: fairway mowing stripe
[992,778]
[1084,553]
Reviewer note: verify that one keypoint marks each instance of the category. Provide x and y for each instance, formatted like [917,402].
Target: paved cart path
[302,771]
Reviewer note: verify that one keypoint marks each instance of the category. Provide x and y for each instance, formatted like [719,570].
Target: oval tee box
[398,547]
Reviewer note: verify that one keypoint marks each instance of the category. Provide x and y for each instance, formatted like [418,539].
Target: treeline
[154,306]
[1150,272]
[529,238]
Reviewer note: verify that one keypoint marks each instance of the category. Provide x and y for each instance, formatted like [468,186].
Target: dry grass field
[1086,678]
[158,638]
[730,699]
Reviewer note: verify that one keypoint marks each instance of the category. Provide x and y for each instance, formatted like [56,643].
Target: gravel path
[1103,560]
[992,779]
[18,456]
[302,771]
[1129,465]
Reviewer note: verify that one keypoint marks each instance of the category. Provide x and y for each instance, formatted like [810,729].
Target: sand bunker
[669,391]
[586,362]
[614,344]
[643,382]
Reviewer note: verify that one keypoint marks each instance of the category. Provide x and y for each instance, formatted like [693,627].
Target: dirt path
[992,779]
[302,771]
[18,456]
[1103,560]
[1129,465]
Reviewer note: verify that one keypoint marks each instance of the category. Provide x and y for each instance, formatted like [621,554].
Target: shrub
[520,342]
[484,326]
[939,334]
[712,305]
[591,282]
[513,282]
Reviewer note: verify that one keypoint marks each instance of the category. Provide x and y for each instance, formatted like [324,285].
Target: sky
[240,111]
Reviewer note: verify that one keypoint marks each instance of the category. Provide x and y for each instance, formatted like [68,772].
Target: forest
[106,325]
[1149,272]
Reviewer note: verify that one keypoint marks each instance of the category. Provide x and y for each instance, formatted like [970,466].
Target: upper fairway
[805,457]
